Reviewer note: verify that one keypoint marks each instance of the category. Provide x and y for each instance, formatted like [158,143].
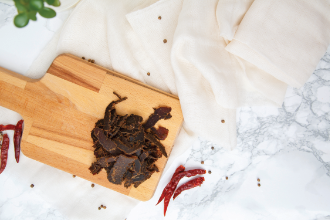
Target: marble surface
[288,149]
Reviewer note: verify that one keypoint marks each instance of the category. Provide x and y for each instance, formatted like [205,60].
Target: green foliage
[28,9]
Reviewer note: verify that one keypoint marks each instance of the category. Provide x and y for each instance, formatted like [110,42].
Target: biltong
[161,133]
[126,148]
[159,113]
[116,174]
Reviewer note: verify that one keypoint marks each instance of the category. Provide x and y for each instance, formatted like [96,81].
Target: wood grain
[60,111]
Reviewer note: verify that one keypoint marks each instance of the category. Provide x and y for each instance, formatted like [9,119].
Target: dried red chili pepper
[17,139]
[4,152]
[189,185]
[178,170]
[7,127]
[175,181]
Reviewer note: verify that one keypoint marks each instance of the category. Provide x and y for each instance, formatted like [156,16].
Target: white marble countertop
[288,149]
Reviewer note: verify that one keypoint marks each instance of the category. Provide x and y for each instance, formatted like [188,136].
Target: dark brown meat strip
[123,163]
[95,168]
[108,111]
[127,149]
[106,143]
[159,113]
[106,161]
[161,133]
[151,138]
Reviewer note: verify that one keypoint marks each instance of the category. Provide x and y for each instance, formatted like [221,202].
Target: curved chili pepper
[189,185]
[180,169]
[7,127]
[175,181]
[17,139]
[4,152]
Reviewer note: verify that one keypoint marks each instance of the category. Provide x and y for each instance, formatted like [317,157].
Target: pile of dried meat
[126,148]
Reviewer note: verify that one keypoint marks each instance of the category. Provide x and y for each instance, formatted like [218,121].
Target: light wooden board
[61,109]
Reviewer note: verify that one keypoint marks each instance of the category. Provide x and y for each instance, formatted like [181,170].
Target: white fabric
[285,38]
[195,64]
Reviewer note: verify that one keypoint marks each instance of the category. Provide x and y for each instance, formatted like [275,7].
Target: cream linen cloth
[217,58]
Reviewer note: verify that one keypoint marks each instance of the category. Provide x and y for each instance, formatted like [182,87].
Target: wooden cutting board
[61,109]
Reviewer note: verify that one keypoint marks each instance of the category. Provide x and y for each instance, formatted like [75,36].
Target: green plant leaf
[47,13]
[21,20]
[36,4]
[50,2]
[20,8]
[32,15]
[24,2]
[57,3]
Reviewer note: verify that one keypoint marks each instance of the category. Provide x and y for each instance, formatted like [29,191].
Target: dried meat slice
[121,121]
[95,168]
[152,139]
[106,143]
[139,137]
[153,168]
[123,163]
[127,149]
[110,110]
[100,152]
[159,113]
[140,178]
[133,122]
[106,161]
[143,156]
[99,123]
[160,133]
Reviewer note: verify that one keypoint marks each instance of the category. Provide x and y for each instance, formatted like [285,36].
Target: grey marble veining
[7,12]
[288,149]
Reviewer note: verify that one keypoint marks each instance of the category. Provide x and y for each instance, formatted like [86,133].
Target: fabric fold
[285,38]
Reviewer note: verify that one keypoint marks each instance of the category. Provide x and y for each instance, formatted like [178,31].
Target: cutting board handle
[12,94]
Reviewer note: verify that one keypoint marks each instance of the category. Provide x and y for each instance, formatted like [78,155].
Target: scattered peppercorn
[165,41]
[148,74]
[99,208]
[202,162]
[209,171]
[92,185]
[259,184]
[89,60]
[212,148]
[104,207]
[226,177]
[74,176]
[222,121]
[258,180]
[31,185]
[160,17]
[83,58]
[93,61]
